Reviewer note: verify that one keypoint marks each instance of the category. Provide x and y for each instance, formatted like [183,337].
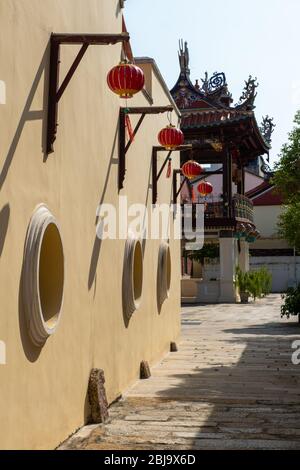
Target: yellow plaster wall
[43,391]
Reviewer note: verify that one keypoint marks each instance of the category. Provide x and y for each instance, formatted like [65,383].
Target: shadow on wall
[31,351]
[4,221]
[92,278]
[118,8]
[28,115]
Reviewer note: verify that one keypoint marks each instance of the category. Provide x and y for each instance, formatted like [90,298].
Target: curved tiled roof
[265,195]
[212,118]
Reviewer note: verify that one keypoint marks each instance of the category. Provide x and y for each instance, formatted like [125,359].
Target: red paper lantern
[191,169]
[126,79]
[205,188]
[170,137]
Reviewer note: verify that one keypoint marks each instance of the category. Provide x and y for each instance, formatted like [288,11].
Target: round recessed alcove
[132,275]
[43,276]
[164,269]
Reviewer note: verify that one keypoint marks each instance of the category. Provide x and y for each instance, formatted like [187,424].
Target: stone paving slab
[231,385]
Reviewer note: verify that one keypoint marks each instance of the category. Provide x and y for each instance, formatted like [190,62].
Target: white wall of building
[285,270]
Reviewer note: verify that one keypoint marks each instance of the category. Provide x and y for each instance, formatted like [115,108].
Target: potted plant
[254,283]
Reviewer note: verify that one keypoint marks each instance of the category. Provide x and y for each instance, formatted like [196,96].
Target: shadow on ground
[231,385]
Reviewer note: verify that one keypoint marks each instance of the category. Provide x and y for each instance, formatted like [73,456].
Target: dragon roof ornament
[267,128]
[246,101]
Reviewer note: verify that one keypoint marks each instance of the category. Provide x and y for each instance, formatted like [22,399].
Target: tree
[287,181]
[287,170]
[289,224]
[209,250]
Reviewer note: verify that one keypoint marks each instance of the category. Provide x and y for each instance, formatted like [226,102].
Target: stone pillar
[244,256]
[228,262]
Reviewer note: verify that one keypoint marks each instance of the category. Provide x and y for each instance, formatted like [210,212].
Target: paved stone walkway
[231,385]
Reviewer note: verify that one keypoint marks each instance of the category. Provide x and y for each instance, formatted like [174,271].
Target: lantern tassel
[129,128]
[193,194]
[169,169]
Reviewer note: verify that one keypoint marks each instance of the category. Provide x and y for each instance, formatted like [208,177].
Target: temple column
[244,256]
[241,180]
[228,262]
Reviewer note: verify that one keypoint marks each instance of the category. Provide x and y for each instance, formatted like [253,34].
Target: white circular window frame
[38,329]
[131,303]
[163,279]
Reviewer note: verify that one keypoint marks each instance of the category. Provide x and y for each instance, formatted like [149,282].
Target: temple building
[227,140]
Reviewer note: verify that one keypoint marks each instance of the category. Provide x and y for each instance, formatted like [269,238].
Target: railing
[214,210]
[242,208]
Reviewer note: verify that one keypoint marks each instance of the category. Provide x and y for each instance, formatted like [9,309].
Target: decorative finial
[205,85]
[184,58]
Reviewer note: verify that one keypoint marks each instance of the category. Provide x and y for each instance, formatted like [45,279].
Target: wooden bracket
[155,175]
[123,147]
[56,91]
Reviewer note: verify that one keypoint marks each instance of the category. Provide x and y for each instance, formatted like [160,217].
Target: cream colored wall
[43,392]
[266,218]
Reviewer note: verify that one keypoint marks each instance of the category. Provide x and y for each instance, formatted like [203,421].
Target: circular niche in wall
[163,273]
[43,276]
[132,275]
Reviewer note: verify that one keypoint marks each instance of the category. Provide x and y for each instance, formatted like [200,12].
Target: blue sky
[260,37]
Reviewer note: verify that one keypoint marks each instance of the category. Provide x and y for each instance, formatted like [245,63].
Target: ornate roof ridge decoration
[214,83]
[208,105]
[267,128]
[229,111]
[249,94]
[215,89]
[184,92]
[218,80]
[184,58]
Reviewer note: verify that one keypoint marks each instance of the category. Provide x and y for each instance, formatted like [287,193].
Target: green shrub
[291,304]
[242,281]
[255,283]
[255,287]
[266,280]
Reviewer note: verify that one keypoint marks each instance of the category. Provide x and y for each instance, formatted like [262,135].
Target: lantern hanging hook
[169,117]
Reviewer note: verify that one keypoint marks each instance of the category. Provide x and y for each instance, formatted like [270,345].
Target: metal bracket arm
[156,175]
[123,147]
[56,91]
[175,191]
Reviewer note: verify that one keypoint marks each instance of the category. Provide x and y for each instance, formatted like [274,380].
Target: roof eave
[149,60]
